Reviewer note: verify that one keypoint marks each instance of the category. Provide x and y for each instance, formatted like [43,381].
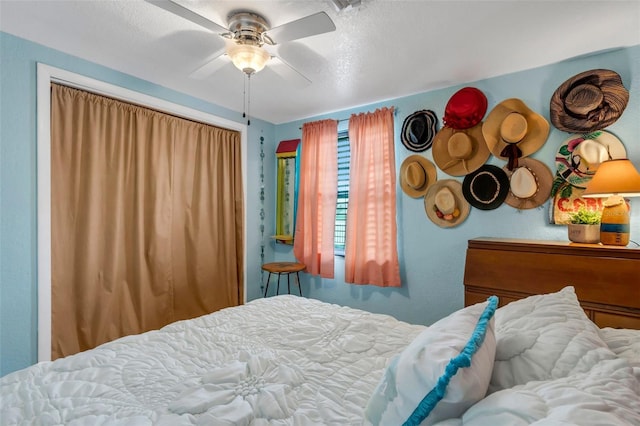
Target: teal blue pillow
[443,372]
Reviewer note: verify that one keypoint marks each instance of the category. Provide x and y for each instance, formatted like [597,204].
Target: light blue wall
[432,258]
[18,233]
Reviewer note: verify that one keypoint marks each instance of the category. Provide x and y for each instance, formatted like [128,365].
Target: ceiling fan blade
[189,15]
[317,23]
[287,72]
[212,64]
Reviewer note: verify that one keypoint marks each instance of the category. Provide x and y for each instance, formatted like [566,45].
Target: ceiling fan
[247,33]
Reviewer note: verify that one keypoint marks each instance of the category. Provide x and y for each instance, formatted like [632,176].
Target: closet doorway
[145,239]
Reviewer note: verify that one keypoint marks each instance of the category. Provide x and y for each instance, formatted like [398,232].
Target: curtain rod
[339,121]
[395,110]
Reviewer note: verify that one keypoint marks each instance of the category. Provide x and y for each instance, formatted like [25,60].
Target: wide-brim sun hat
[465,109]
[512,130]
[579,156]
[486,188]
[417,174]
[418,130]
[460,152]
[445,204]
[529,184]
[588,101]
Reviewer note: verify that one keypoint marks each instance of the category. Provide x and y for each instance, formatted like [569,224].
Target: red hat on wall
[465,108]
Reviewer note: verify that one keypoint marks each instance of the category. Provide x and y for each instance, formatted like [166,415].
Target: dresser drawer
[606,319]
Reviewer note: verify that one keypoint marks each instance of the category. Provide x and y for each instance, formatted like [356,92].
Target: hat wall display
[465,109]
[418,130]
[460,152]
[512,130]
[417,174]
[529,184]
[579,156]
[589,101]
[486,188]
[445,204]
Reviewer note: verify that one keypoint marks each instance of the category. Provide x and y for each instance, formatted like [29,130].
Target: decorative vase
[614,225]
[579,233]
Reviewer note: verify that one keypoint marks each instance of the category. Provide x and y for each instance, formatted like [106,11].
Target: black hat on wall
[418,130]
[486,188]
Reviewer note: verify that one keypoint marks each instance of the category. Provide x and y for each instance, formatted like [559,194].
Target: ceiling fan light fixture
[343,4]
[248,58]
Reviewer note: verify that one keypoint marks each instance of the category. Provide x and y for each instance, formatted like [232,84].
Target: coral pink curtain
[371,255]
[317,197]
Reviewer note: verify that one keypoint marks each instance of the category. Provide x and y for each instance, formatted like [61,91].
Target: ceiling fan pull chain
[249,100]
[244,97]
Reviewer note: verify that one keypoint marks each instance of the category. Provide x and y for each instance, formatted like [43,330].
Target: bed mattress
[288,360]
[307,362]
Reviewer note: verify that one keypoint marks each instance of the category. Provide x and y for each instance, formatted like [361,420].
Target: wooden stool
[280,268]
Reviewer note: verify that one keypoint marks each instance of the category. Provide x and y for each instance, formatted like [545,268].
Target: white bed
[288,360]
[283,360]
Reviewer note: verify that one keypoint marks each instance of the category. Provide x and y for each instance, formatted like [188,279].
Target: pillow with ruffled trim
[443,372]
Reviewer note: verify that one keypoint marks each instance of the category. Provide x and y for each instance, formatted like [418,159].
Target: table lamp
[614,179]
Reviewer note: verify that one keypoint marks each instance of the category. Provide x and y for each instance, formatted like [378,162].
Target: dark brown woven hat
[589,101]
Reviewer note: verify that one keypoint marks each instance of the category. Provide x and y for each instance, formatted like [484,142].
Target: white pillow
[544,337]
[443,372]
[623,342]
[608,394]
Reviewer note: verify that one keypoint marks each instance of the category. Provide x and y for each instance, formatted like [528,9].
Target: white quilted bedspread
[306,363]
[288,360]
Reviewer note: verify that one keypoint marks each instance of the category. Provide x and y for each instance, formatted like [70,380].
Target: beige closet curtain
[146,222]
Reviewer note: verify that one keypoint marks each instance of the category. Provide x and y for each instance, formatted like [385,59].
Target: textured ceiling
[384,49]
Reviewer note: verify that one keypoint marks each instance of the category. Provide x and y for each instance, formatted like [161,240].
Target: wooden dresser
[606,278]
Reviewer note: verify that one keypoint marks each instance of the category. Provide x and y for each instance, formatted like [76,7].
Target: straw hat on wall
[445,204]
[417,174]
[460,152]
[529,184]
[512,130]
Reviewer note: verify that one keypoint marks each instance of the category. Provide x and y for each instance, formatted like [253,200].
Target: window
[344,157]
